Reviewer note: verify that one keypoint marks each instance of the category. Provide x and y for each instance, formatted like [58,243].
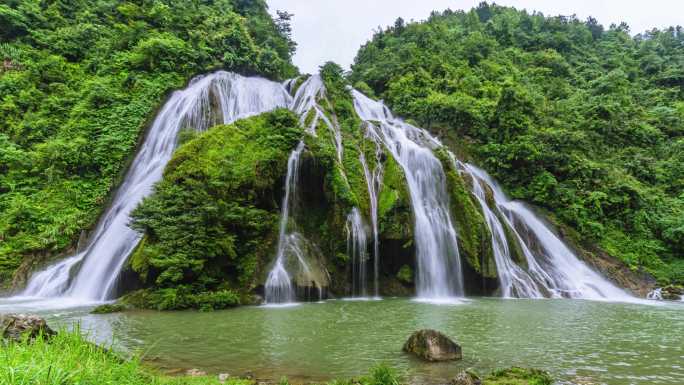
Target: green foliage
[108,308]
[405,274]
[211,221]
[583,121]
[80,80]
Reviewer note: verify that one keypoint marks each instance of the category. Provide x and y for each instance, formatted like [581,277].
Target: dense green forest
[79,82]
[584,121]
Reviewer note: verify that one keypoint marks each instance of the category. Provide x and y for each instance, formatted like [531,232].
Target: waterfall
[550,268]
[357,249]
[555,269]
[374,183]
[97,268]
[279,288]
[438,265]
[306,100]
[515,282]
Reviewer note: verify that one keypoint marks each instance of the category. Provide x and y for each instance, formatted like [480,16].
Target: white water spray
[279,287]
[357,249]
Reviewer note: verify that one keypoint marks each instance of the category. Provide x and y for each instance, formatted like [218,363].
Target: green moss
[474,238]
[394,204]
[405,274]
[518,376]
[108,308]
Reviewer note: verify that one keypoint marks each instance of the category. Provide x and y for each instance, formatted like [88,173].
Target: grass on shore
[69,359]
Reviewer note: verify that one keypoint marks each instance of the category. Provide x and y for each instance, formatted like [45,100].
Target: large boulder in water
[432,345]
[15,326]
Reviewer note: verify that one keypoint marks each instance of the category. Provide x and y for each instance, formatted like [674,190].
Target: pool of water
[583,342]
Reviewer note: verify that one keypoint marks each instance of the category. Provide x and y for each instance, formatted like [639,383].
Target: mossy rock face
[474,238]
[211,224]
[394,204]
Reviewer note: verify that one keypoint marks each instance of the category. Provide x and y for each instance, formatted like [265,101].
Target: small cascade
[92,274]
[306,100]
[439,275]
[554,267]
[374,183]
[357,249]
[279,287]
[656,294]
[515,282]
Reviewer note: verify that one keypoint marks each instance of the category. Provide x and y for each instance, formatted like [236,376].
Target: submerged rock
[195,373]
[108,308]
[466,377]
[516,375]
[432,345]
[16,326]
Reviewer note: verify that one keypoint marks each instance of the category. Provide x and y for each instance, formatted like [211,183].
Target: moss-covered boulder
[431,345]
[211,224]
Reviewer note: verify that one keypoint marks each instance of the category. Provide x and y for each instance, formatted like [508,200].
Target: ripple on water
[595,342]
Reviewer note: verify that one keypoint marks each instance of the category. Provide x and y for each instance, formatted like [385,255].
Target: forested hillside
[584,121]
[80,80]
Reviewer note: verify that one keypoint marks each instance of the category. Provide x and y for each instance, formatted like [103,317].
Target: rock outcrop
[431,345]
[16,326]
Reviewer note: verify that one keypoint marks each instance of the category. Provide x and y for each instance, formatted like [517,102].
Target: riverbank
[68,358]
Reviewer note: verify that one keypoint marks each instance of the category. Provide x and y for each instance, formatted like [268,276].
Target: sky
[335,29]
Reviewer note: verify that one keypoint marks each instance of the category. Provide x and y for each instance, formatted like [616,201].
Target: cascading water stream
[306,100]
[438,276]
[279,288]
[357,249]
[551,268]
[374,183]
[554,267]
[100,263]
[515,282]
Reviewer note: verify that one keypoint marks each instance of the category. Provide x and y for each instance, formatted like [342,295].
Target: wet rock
[195,373]
[672,292]
[16,326]
[432,345]
[466,377]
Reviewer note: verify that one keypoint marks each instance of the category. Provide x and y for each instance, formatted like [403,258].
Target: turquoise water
[577,341]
